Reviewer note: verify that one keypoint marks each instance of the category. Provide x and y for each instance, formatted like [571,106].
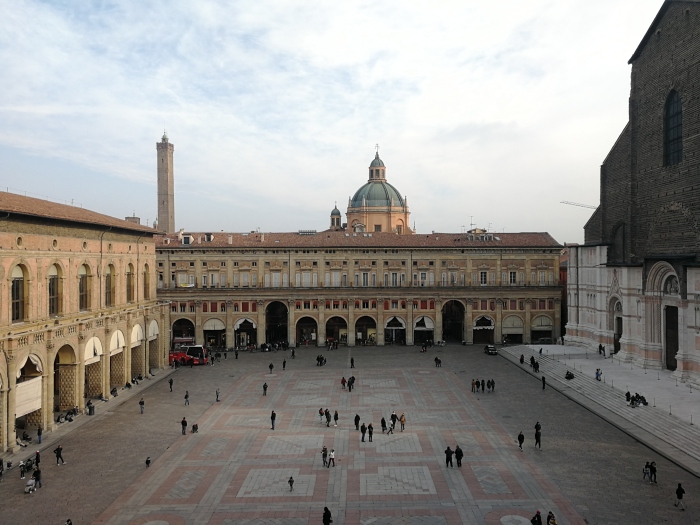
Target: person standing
[352,362]
[284,365]
[335,418]
[652,472]
[142,405]
[320,415]
[483,386]
[363,430]
[170,382]
[328,418]
[37,458]
[538,435]
[217,394]
[187,397]
[327,519]
[294,354]
[59,454]
[22,469]
[273,416]
[342,383]
[448,457]
[383,422]
[235,352]
[324,455]
[370,431]
[183,423]
[459,455]
[357,421]
[536,519]
[402,420]
[473,387]
[521,439]
[679,497]
[544,382]
[39,431]
[37,477]
[264,389]
[291,483]
[271,367]
[478,385]
[331,457]
[493,385]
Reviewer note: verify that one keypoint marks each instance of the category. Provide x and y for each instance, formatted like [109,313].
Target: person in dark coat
[521,440]
[363,429]
[335,418]
[383,422]
[327,518]
[370,431]
[459,455]
[265,389]
[273,416]
[357,421]
[538,435]
[544,382]
[271,367]
[679,497]
[448,457]
[352,362]
[328,418]
[483,386]
[537,519]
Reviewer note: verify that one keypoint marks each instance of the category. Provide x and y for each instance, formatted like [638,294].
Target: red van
[184,354]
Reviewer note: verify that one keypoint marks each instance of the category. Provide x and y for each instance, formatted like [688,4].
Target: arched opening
[307,331]
[276,315]
[118,374]
[153,357]
[214,333]
[512,330]
[84,287]
[423,331]
[138,351]
[92,355]
[183,333]
[483,328]
[245,332]
[65,379]
[19,294]
[453,321]
[28,393]
[365,331]
[615,322]
[337,330]
[395,331]
[541,329]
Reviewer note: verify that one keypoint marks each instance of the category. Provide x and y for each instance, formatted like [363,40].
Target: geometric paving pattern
[490,480]
[399,443]
[215,447]
[262,521]
[409,520]
[308,400]
[290,445]
[470,446]
[186,485]
[397,481]
[274,482]
[382,399]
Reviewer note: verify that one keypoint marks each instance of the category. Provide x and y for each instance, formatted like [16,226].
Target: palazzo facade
[79,314]
[634,285]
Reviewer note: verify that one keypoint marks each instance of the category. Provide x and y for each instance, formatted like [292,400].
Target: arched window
[146,282]
[19,296]
[110,277]
[673,130]
[130,283]
[83,288]
[54,291]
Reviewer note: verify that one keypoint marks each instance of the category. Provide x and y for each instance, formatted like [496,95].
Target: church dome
[377,162]
[335,212]
[377,193]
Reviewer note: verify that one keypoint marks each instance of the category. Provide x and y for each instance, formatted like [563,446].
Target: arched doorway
[513,330]
[671,291]
[541,329]
[337,330]
[93,367]
[154,360]
[245,331]
[29,390]
[395,331]
[183,333]
[214,333]
[118,374]
[307,331]
[483,330]
[365,331]
[423,331]
[138,351]
[65,379]
[276,316]
[453,321]
[615,316]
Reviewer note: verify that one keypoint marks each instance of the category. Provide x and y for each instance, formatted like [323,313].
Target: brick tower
[166,185]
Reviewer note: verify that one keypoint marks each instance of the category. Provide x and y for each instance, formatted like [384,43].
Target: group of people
[598,374]
[635,400]
[458,454]
[438,362]
[328,457]
[537,519]
[601,349]
[538,437]
[349,382]
[485,386]
[649,472]
[327,415]
[320,360]
[331,345]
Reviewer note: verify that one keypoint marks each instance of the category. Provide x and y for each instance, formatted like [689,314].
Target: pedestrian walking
[142,405]
[370,432]
[324,455]
[271,367]
[536,519]
[521,439]
[459,455]
[328,418]
[357,421]
[291,483]
[294,354]
[37,458]
[331,458]
[679,497]
[363,430]
[184,426]
[343,382]
[352,362]
[37,477]
[402,420]
[273,416]
[478,386]
[217,394]
[483,386]
[646,474]
[448,457]
[284,365]
[22,469]
[538,435]
[236,353]
[187,397]
[2,468]
[383,423]
[544,382]
[321,413]
[59,455]
[170,382]
[652,472]
[39,431]
[327,518]
[393,418]
[335,418]
[264,389]
[473,387]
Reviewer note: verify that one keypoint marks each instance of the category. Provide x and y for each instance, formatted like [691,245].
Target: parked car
[197,353]
[490,350]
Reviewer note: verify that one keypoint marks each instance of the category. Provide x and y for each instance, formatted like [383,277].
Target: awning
[117,343]
[542,322]
[395,321]
[28,396]
[214,324]
[241,321]
[34,359]
[480,323]
[512,325]
[424,323]
[136,335]
[153,330]
[93,350]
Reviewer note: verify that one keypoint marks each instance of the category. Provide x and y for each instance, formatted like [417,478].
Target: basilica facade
[634,286]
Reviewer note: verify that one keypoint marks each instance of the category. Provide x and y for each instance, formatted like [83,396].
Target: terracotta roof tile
[21,205]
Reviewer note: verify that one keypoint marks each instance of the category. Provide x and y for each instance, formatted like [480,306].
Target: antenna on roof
[376,147]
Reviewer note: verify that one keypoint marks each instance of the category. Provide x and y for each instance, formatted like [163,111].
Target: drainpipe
[99,269]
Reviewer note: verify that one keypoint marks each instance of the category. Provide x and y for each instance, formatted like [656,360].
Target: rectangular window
[235,280]
[543,278]
[483,278]
[183,307]
[244,307]
[222,278]
[365,304]
[386,279]
[192,308]
[423,278]
[374,279]
[214,307]
[504,278]
[204,281]
[306,279]
[244,279]
[276,279]
[394,279]
[542,304]
[108,290]
[83,292]
[513,278]
[377,227]
[18,299]
[214,279]
[513,305]
[254,279]
[394,305]
[345,279]
[365,279]
[484,304]
[53,295]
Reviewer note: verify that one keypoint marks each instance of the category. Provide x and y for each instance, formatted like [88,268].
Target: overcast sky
[485,112]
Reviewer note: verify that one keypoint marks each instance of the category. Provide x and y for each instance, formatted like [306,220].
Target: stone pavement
[235,470]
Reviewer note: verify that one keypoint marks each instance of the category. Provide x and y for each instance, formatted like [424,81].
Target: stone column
[409,322]
[498,329]
[11,401]
[557,320]
[230,335]
[437,336]
[198,325]
[469,322]
[380,322]
[80,359]
[291,326]
[527,336]
[261,323]
[321,336]
[351,322]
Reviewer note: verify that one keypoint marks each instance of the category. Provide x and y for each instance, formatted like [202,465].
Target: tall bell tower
[166,185]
